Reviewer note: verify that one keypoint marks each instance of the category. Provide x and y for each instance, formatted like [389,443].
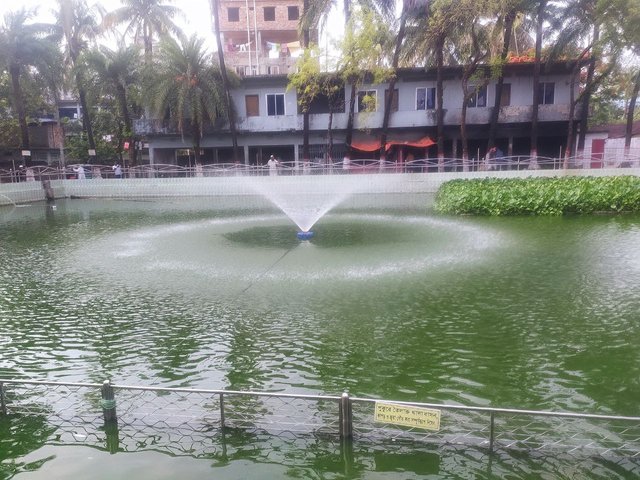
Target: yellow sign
[420,417]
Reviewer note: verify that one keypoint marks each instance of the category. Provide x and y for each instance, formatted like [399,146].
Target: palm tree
[22,45]
[225,81]
[589,26]
[315,14]
[472,48]
[116,72]
[144,20]
[407,9]
[78,27]
[429,37]
[508,11]
[188,86]
[540,17]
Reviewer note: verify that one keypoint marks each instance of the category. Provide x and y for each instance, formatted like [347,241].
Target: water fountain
[306,199]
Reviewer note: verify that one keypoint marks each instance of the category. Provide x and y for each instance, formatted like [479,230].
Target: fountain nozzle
[304,235]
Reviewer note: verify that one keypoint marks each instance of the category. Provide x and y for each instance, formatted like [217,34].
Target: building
[260,37]
[605,146]
[269,122]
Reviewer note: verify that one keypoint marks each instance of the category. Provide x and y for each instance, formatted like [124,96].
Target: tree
[78,27]
[408,8]
[535,109]
[629,28]
[472,49]
[145,20]
[428,37]
[188,87]
[23,45]
[361,58]
[507,11]
[225,81]
[117,72]
[307,81]
[315,14]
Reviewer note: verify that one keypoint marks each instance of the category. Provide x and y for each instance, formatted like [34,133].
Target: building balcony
[151,127]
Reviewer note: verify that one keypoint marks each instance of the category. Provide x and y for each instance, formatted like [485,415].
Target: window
[479,97]
[293,13]
[275,104]
[425,98]
[269,14]
[253,105]
[250,70]
[394,100]
[367,101]
[273,69]
[233,14]
[505,98]
[546,93]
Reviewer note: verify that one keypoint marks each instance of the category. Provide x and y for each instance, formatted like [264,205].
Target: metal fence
[367,166]
[187,421]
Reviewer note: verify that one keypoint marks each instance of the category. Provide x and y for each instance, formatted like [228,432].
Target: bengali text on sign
[420,417]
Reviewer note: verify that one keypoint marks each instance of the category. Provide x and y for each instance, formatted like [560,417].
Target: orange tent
[371,144]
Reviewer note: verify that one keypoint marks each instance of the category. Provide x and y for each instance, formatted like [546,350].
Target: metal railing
[316,167]
[183,420]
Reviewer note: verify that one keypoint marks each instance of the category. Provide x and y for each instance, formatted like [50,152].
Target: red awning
[370,144]
[423,142]
[366,144]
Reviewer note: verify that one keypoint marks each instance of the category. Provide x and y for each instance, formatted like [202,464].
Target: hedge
[539,196]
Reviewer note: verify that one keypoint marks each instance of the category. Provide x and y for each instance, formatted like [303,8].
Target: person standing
[273,166]
[117,170]
[80,171]
[346,164]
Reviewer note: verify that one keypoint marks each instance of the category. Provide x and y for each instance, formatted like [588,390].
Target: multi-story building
[260,37]
[269,121]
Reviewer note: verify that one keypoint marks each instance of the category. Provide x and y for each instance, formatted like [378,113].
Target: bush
[539,196]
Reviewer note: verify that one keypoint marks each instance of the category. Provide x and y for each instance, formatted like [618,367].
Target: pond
[532,313]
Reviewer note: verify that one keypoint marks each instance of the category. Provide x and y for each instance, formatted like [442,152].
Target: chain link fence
[192,421]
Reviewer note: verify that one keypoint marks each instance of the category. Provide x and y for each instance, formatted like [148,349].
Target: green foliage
[539,196]
[306,80]
[105,124]
[362,48]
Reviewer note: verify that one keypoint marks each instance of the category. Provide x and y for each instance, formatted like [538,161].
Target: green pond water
[533,313]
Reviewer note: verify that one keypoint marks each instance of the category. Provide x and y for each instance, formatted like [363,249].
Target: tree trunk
[305,111]
[330,136]
[196,142]
[572,111]
[352,107]
[630,114]
[440,102]
[584,108]
[18,103]
[463,135]
[56,117]
[225,82]
[392,84]
[495,113]
[86,115]
[533,162]
[122,100]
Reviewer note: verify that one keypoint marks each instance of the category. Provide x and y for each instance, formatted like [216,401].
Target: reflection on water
[526,312]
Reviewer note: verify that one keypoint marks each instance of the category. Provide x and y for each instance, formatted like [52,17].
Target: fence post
[108,403]
[222,410]
[346,417]
[3,404]
[491,432]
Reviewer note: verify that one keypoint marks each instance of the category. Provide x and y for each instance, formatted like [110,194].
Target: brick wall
[281,22]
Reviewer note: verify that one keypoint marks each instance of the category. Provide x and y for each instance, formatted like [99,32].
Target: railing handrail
[336,398]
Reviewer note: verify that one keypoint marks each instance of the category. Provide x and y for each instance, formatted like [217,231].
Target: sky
[197,14]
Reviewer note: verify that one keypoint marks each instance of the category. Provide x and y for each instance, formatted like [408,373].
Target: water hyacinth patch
[539,196]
